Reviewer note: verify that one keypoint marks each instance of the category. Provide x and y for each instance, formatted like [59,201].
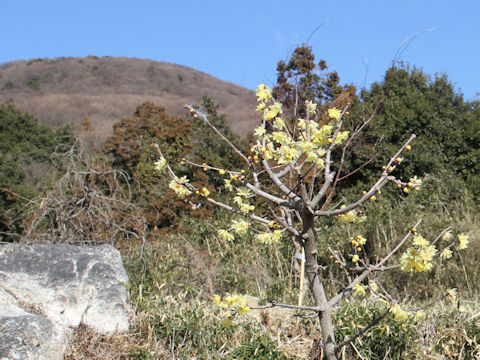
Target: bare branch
[382,181]
[288,306]
[224,138]
[398,246]
[328,177]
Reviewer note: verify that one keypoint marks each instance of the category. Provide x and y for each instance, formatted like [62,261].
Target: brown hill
[66,90]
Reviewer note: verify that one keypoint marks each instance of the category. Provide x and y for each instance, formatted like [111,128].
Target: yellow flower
[243,192]
[447,236]
[268,155]
[355,258]
[361,240]
[240,227]
[452,294]
[179,189]
[312,107]
[246,208]
[274,110]
[373,285]
[238,200]
[302,124]
[462,241]
[341,136]
[334,113]
[359,290]
[420,241]
[277,235]
[263,93]
[228,184]
[415,180]
[306,146]
[279,123]
[243,309]
[419,315]
[265,238]
[320,136]
[352,216]
[160,164]
[280,137]
[260,131]
[418,259]
[183,180]
[217,299]
[225,235]
[288,154]
[320,163]
[205,192]
[234,302]
[221,172]
[428,253]
[398,313]
[446,253]
[260,106]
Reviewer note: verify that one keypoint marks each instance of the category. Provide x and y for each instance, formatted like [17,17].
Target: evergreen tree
[25,152]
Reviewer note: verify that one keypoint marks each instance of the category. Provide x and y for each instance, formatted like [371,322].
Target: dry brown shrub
[88,344]
[89,204]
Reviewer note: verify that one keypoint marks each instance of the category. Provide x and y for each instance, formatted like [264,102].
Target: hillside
[66,90]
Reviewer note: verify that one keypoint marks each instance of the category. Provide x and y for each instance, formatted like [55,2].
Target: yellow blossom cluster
[398,313]
[263,93]
[269,237]
[178,186]
[240,200]
[414,183]
[419,257]
[452,294]
[160,164]
[463,241]
[311,107]
[446,254]
[352,216]
[334,113]
[359,290]
[357,244]
[225,235]
[284,147]
[358,241]
[240,227]
[232,301]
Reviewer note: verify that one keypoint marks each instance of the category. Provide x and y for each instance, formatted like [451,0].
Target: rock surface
[47,290]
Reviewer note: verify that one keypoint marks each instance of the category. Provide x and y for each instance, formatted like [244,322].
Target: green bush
[26,147]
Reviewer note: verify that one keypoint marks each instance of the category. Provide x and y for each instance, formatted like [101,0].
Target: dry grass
[66,90]
[87,344]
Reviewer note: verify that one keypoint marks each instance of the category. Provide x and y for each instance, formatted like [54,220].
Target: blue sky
[241,41]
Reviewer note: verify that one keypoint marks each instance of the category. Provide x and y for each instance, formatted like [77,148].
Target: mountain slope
[66,90]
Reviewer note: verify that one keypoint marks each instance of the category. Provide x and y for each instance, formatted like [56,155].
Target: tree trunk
[316,286]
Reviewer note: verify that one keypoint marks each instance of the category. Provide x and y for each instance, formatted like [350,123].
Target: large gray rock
[46,290]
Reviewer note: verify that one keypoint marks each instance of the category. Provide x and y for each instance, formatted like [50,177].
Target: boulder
[48,290]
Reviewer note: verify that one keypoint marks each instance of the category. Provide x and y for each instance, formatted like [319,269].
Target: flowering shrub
[290,167]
